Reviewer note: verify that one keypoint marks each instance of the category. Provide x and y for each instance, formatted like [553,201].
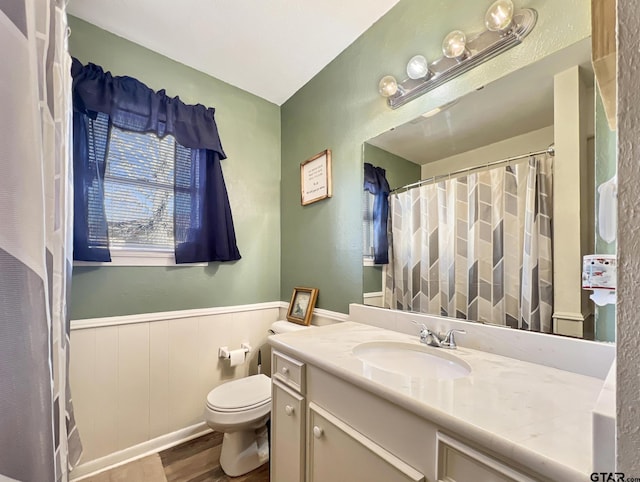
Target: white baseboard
[129,454]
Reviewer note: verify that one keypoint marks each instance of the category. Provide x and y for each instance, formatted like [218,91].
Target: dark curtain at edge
[204,233]
[201,199]
[376,183]
[88,185]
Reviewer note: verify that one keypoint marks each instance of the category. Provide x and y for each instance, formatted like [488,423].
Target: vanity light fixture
[388,86]
[418,67]
[454,45]
[499,17]
[506,28]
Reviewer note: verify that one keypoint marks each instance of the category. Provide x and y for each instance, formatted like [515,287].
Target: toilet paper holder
[224,352]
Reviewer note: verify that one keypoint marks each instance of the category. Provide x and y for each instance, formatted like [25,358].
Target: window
[147,175]
[138,193]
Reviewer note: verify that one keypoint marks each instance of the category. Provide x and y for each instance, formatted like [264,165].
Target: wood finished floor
[195,461]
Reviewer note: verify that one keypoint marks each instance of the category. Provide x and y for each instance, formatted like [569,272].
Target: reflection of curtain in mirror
[476,247]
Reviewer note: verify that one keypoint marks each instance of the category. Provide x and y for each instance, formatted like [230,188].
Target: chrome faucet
[448,340]
[432,338]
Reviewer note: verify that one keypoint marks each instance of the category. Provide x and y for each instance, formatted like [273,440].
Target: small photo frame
[303,300]
[315,178]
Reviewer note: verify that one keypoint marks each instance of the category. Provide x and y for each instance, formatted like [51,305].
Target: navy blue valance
[132,105]
[203,224]
[376,183]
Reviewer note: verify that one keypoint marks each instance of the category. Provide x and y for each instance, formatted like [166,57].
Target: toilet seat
[237,409]
[243,394]
[241,409]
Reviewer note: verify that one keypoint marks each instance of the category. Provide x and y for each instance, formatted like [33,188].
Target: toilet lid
[241,393]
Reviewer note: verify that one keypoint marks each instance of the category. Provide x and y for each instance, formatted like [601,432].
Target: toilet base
[244,451]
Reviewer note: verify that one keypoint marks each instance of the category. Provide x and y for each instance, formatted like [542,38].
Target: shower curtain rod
[549,150]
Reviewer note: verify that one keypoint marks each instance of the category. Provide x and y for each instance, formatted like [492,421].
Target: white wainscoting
[374,298]
[137,378]
[139,382]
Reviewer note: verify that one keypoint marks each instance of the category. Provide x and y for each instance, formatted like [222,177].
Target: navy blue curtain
[203,223]
[90,233]
[201,205]
[376,183]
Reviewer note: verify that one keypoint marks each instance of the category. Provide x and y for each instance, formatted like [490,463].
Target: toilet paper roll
[236,357]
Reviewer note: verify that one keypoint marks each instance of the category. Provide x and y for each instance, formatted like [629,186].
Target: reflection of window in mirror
[396,172]
[367,228]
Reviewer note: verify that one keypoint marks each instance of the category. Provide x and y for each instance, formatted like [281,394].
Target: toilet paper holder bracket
[224,352]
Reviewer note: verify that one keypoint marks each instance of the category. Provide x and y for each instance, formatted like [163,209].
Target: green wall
[340,108]
[399,172]
[250,131]
[606,161]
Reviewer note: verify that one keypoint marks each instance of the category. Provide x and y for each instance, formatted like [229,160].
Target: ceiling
[269,48]
[518,103]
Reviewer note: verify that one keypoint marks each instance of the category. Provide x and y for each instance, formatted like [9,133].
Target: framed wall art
[315,178]
[303,300]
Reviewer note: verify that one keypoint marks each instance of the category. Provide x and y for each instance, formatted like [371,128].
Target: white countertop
[535,415]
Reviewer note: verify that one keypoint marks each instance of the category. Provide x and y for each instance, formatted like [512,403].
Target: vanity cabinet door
[336,452]
[457,462]
[287,434]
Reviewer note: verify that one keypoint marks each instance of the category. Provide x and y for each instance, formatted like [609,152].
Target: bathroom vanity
[356,402]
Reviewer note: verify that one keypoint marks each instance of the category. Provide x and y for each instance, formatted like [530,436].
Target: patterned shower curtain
[38,434]
[477,247]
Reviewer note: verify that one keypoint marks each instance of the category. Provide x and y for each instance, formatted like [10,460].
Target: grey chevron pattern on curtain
[476,247]
[38,434]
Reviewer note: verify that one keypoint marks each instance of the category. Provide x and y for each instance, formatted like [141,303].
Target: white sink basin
[415,361]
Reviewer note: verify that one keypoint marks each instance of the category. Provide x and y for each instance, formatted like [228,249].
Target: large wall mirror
[478,237]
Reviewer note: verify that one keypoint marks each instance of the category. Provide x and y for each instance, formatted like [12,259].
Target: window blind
[139,194]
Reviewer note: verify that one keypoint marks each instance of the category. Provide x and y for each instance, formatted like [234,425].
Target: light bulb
[417,67]
[388,86]
[499,16]
[454,44]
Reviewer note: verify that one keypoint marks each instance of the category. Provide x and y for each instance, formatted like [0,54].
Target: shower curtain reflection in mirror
[476,247]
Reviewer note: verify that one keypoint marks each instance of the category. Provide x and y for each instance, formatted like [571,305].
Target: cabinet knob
[285,371]
[288,409]
[317,432]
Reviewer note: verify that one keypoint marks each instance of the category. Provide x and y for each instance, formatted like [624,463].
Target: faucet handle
[448,339]
[427,336]
[421,325]
[425,333]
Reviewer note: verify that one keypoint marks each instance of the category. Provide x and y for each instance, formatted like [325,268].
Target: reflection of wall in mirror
[514,146]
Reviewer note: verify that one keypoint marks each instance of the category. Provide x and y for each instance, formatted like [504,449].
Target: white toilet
[241,408]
